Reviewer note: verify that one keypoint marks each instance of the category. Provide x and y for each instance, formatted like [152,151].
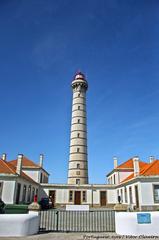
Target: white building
[20,179]
[33,170]
[137,183]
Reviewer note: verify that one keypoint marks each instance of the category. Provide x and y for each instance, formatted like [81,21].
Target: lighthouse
[78,164]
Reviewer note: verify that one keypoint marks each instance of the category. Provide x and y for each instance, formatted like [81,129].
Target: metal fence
[77,221]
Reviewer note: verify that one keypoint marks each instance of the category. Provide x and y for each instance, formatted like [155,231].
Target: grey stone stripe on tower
[78,166]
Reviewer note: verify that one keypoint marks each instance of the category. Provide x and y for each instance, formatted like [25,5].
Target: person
[119,199]
[2,206]
[35,198]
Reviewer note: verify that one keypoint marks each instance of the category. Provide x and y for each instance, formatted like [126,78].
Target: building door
[137,196]
[18,193]
[103,199]
[77,197]
[52,197]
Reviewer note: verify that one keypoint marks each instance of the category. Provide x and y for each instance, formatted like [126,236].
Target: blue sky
[115,43]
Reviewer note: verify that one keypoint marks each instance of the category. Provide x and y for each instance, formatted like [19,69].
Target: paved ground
[77,236]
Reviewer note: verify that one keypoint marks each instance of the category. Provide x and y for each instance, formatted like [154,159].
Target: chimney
[19,164]
[4,156]
[151,159]
[115,162]
[41,160]
[136,166]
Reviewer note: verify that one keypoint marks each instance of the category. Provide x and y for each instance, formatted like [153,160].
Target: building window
[78,107]
[18,193]
[33,193]
[41,178]
[78,135]
[46,179]
[118,194]
[1,187]
[121,195]
[70,196]
[78,120]
[78,94]
[78,149]
[130,195]
[84,197]
[126,197]
[29,193]
[78,166]
[24,194]
[77,181]
[156,193]
[114,179]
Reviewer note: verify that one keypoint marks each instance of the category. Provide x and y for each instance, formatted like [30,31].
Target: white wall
[96,197]
[119,177]
[126,224]
[34,174]
[123,175]
[19,224]
[111,196]
[62,195]
[147,194]
[8,191]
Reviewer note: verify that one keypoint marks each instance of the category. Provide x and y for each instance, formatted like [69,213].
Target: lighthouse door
[77,197]
[103,199]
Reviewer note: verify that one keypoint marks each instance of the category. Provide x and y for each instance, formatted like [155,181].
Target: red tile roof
[150,169]
[25,163]
[129,164]
[8,168]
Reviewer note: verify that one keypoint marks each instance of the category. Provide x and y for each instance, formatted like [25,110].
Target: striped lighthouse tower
[78,166]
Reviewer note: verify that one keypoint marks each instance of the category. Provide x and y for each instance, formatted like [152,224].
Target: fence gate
[77,221]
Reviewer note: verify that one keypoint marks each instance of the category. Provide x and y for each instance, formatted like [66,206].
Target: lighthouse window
[77,181]
[78,149]
[78,166]
[77,172]
[78,107]
[78,135]
[78,120]
[79,95]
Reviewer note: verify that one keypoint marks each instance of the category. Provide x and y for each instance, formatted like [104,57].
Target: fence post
[57,221]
